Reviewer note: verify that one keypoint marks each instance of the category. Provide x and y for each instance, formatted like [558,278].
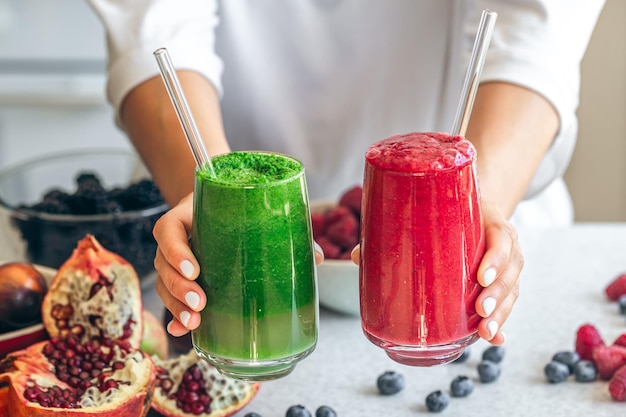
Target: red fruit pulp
[422,241]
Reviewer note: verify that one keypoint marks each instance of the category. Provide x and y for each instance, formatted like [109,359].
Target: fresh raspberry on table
[616,288]
[609,359]
[617,385]
[587,340]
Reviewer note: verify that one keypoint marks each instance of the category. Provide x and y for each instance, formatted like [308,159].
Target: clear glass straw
[172,84]
[472,77]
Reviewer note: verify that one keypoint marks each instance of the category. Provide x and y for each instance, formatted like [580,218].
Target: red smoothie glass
[421,244]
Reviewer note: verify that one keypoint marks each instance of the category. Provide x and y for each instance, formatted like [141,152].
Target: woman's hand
[178,268]
[498,273]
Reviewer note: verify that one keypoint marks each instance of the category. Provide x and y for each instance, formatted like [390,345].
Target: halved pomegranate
[190,386]
[91,365]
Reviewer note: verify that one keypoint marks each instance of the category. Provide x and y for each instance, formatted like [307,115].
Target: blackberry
[52,207]
[568,358]
[437,401]
[325,411]
[141,195]
[461,386]
[390,382]
[464,356]
[87,177]
[585,371]
[57,195]
[621,302]
[494,354]
[556,372]
[488,371]
[297,411]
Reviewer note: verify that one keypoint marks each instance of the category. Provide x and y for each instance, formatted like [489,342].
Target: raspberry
[344,232]
[616,288]
[587,340]
[331,251]
[352,199]
[319,224]
[617,385]
[621,340]
[609,359]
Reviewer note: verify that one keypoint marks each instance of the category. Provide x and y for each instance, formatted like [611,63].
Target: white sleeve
[136,28]
[539,44]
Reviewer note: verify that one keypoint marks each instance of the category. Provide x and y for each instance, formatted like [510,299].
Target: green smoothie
[252,236]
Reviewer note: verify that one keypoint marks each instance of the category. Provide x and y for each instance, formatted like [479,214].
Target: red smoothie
[421,243]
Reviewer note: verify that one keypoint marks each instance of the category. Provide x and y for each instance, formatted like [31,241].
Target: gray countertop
[562,287]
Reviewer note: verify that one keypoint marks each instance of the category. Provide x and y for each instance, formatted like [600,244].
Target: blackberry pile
[51,239]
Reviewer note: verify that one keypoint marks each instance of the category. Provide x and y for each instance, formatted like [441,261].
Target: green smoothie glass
[252,236]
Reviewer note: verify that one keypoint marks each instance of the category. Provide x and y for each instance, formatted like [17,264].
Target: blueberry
[464,356]
[556,372]
[568,358]
[461,386]
[390,382]
[252,414]
[325,411]
[621,302]
[494,354]
[488,371]
[437,401]
[585,371]
[297,411]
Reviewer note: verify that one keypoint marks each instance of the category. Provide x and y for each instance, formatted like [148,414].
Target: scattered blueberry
[556,372]
[437,401]
[585,371]
[390,382]
[464,356]
[252,414]
[325,411]
[488,371]
[494,354]
[461,386]
[297,411]
[621,302]
[568,358]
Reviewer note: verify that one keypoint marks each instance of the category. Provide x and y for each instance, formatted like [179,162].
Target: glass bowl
[31,235]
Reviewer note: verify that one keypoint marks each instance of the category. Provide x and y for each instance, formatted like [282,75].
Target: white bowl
[338,280]
[22,338]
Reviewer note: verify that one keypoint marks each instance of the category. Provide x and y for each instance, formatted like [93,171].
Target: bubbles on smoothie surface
[421,152]
[251,168]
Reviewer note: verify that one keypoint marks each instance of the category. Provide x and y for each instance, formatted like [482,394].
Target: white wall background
[597,174]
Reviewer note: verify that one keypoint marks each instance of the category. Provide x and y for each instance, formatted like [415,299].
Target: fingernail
[503,336]
[489,276]
[169,325]
[185,316]
[186,267]
[492,326]
[318,249]
[192,299]
[357,247]
[489,304]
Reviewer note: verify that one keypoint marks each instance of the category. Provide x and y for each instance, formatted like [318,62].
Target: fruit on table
[587,339]
[187,385]
[556,372]
[297,411]
[461,386]
[154,341]
[437,401]
[494,354]
[22,289]
[337,229]
[488,371]
[585,371]
[92,365]
[390,382]
[616,287]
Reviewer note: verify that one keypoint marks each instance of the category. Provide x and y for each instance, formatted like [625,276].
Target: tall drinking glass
[421,243]
[252,236]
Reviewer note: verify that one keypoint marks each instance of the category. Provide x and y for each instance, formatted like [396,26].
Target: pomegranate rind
[31,365]
[72,286]
[228,395]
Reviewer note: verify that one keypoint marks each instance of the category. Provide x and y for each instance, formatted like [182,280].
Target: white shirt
[323,79]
